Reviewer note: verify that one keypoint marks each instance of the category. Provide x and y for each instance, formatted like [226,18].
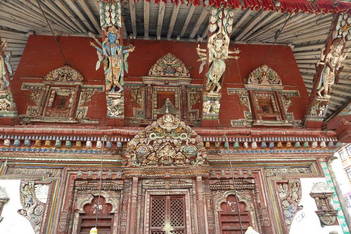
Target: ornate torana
[33,209]
[64,74]
[264,75]
[169,66]
[166,142]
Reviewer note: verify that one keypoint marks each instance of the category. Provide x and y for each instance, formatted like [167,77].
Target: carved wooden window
[167,214]
[233,217]
[103,219]
[266,106]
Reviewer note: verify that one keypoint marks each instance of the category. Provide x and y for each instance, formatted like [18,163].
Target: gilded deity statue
[332,64]
[5,67]
[218,51]
[114,57]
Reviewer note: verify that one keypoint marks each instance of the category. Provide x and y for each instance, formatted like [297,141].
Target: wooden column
[133,206]
[201,207]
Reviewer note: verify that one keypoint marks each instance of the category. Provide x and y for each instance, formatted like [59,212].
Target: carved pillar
[214,57]
[7,105]
[133,207]
[201,207]
[113,55]
[327,70]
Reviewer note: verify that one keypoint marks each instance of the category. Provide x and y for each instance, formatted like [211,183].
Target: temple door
[167,214]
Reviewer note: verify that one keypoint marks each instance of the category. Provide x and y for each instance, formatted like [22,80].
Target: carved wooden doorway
[167,214]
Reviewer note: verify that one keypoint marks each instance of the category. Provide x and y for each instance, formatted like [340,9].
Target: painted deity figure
[332,64]
[114,57]
[5,67]
[218,51]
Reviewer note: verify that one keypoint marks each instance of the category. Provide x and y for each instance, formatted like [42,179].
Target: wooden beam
[200,20]
[161,14]
[237,26]
[173,20]
[187,20]
[62,7]
[133,17]
[260,24]
[146,18]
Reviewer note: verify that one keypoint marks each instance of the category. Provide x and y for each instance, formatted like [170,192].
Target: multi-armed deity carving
[114,55]
[7,106]
[166,142]
[330,65]
[215,56]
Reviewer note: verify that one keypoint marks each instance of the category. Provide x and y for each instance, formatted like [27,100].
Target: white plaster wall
[13,223]
[306,220]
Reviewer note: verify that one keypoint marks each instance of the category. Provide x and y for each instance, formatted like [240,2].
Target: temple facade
[172,117]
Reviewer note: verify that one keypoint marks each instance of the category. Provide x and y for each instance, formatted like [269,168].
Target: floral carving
[169,66]
[264,75]
[289,194]
[33,209]
[64,74]
[166,142]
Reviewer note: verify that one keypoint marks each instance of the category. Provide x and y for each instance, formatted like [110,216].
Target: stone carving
[331,63]
[169,66]
[33,209]
[220,27]
[166,142]
[5,67]
[264,75]
[114,57]
[289,194]
[64,74]
[322,194]
[3,200]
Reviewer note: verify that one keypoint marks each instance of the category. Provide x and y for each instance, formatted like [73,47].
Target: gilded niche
[166,142]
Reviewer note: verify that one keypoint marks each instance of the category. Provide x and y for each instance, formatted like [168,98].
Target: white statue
[5,67]
[332,64]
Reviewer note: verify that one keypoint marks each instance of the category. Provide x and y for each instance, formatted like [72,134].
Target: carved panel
[289,196]
[33,209]
[166,142]
[169,66]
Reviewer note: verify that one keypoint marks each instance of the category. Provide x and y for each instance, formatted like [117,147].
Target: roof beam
[161,14]
[187,20]
[173,20]
[257,18]
[133,17]
[90,15]
[242,19]
[80,16]
[64,9]
[146,18]
[200,20]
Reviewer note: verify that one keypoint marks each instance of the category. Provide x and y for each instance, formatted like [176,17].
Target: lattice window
[233,217]
[104,221]
[168,215]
